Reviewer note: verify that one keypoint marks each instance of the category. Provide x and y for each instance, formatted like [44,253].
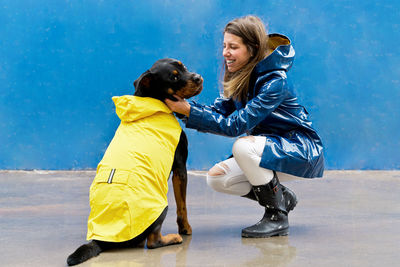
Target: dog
[128,198]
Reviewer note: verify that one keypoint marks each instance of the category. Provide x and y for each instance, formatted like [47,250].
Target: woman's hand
[181,106]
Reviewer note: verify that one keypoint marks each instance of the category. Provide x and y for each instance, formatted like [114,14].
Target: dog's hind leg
[83,253]
[156,240]
[179,182]
[154,237]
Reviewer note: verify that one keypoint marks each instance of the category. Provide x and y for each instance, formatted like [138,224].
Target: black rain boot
[275,220]
[289,196]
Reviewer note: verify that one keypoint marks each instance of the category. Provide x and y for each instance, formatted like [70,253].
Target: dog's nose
[197,78]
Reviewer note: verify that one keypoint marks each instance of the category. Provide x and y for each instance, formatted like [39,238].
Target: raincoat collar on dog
[132,108]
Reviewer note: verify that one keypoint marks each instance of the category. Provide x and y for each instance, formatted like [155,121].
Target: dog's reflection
[274,251]
[174,255]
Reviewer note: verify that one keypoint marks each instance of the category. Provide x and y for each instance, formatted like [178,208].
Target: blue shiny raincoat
[271,110]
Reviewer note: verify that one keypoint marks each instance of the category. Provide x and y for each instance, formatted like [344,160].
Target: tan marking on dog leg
[156,240]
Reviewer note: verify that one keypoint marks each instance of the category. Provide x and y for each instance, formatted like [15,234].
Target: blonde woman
[258,101]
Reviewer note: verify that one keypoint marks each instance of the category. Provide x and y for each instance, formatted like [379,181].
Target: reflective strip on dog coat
[130,189]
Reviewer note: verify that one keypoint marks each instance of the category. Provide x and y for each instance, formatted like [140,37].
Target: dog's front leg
[179,181]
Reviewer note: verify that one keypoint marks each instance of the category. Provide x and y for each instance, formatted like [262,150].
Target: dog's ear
[144,81]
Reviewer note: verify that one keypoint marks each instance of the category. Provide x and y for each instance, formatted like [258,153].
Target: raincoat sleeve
[224,106]
[207,119]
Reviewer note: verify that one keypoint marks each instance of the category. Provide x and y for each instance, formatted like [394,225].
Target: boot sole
[282,232]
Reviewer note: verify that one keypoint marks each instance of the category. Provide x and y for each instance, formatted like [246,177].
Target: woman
[258,101]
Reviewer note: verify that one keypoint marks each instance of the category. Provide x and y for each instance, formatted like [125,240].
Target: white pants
[243,171]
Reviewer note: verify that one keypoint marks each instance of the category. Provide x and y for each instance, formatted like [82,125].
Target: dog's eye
[175,75]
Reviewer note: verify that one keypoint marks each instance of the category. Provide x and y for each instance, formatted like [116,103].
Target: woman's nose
[225,52]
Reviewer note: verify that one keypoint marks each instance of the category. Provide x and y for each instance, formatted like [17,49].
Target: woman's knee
[215,183]
[242,146]
[215,177]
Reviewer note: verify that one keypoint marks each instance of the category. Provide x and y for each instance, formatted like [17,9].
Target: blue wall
[62,61]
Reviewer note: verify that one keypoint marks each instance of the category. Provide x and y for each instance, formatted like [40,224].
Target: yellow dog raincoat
[130,189]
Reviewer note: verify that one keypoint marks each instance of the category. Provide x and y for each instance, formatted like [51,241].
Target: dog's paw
[161,241]
[185,230]
[184,227]
[178,239]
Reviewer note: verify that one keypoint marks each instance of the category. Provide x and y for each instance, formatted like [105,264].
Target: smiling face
[235,52]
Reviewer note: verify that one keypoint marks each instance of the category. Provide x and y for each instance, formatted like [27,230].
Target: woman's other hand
[181,106]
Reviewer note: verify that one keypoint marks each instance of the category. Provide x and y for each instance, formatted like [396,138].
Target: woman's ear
[252,50]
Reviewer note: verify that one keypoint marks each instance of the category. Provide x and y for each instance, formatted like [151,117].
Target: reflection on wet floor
[348,218]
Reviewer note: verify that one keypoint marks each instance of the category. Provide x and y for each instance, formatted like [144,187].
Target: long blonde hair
[254,35]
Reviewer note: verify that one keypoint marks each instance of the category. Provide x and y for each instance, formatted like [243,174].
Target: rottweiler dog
[167,77]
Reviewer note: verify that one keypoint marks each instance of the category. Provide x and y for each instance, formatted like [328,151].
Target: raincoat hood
[132,108]
[282,55]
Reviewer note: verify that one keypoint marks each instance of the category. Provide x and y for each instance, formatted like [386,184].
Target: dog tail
[83,253]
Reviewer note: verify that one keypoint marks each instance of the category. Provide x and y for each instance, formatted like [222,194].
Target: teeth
[229,61]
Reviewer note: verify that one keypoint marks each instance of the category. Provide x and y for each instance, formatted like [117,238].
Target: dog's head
[168,77]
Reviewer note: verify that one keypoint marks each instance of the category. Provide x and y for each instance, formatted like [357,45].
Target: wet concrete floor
[348,218]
